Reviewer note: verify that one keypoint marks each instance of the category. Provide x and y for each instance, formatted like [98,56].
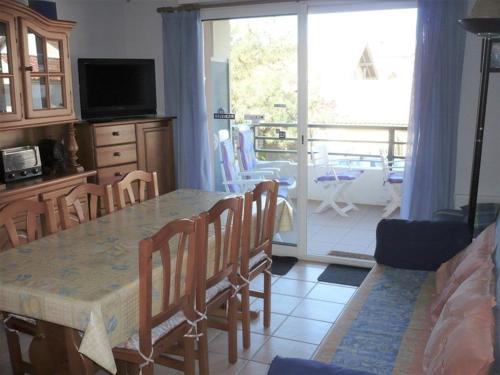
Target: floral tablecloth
[87,277]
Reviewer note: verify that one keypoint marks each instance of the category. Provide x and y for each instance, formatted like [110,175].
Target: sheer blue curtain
[432,135]
[185,98]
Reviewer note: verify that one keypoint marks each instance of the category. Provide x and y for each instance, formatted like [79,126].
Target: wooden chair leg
[232,340]
[121,367]
[245,313]
[132,369]
[16,357]
[267,300]
[203,348]
[189,356]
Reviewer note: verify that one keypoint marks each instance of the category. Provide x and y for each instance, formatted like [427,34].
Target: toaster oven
[20,162]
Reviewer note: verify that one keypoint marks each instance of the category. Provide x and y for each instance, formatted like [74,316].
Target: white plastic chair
[393,180]
[235,180]
[250,163]
[333,183]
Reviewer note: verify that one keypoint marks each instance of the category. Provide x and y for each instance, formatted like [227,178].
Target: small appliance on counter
[19,163]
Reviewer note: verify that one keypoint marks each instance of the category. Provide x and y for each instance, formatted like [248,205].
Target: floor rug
[281,265]
[347,275]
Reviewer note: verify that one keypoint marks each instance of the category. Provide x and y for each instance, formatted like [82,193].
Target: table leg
[54,350]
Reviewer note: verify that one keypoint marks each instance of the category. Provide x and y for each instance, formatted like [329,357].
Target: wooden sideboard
[118,147]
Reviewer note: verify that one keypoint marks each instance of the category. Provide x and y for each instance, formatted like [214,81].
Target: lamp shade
[484,18]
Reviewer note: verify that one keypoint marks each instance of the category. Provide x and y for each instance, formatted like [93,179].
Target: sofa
[402,315]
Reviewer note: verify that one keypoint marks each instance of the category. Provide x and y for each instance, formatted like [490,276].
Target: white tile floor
[328,231]
[303,311]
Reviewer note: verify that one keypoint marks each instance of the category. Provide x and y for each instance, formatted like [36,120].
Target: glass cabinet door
[9,89]
[46,67]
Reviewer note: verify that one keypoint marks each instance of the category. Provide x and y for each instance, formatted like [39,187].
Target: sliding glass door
[251,75]
[321,97]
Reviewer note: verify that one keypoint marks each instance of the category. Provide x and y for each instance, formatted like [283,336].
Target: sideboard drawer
[112,135]
[110,175]
[113,155]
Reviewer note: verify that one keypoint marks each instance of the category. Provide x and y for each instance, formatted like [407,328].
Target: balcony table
[86,278]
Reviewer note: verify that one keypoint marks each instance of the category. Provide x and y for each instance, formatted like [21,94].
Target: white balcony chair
[250,163]
[235,180]
[334,184]
[393,180]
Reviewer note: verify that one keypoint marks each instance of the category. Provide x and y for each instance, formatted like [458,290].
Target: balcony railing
[389,137]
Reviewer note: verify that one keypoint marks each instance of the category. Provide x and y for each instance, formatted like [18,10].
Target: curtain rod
[198,6]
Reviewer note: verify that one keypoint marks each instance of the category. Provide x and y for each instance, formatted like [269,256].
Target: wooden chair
[256,250]
[38,219]
[126,184]
[176,319]
[217,282]
[93,194]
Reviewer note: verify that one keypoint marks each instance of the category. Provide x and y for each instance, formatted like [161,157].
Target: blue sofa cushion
[297,366]
[419,245]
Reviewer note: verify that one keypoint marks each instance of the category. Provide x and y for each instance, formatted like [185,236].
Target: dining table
[86,278]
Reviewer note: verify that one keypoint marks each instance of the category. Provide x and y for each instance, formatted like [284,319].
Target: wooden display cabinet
[35,73]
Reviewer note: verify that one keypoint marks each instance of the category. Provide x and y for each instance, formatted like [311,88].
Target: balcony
[350,146]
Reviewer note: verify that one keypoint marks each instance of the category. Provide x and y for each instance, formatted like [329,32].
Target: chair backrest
[177,243]
[224,222]
[385,165]
[70,205]
[230,167]
[247,150]
[143,179]
[27,220]
[321,160]
[258,228]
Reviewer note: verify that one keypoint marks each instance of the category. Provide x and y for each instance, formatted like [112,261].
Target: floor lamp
[485,22]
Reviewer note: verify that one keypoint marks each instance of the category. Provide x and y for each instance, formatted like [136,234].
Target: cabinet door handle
[116,154]
[115,134]
[118,174]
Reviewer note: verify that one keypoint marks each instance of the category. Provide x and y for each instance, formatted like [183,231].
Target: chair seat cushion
[157,333]
[286,181]
[256,259]
[216,289]
[343,176]
[395,177]
[20,317]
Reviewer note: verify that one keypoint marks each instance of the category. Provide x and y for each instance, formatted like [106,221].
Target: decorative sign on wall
[222,115]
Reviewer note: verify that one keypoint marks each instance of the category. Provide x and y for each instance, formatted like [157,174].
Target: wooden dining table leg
[78,364]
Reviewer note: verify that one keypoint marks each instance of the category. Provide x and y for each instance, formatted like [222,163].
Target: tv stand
[117,147]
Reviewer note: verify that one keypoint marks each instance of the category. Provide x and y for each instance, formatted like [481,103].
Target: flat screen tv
[117,88]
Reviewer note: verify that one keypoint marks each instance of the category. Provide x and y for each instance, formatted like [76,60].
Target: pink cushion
[485,242]
[461,342]
[472,261]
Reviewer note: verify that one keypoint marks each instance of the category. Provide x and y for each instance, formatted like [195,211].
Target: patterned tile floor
[303,310]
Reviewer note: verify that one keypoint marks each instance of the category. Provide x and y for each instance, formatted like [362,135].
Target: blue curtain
[185,98]
[429,181]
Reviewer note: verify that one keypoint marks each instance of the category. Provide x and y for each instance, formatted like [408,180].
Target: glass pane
[39,92]
[56,92]
[4,53]
[35,51]
[5,96]
[53,54]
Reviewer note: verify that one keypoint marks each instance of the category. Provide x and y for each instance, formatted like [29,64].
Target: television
[117,88]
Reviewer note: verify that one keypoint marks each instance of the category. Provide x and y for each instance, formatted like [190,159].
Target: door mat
[281,265]
[346,275]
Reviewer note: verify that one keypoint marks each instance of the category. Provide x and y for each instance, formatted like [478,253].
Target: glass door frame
[302,9]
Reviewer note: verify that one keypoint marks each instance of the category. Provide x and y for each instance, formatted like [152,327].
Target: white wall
[489,184]
[115,29]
